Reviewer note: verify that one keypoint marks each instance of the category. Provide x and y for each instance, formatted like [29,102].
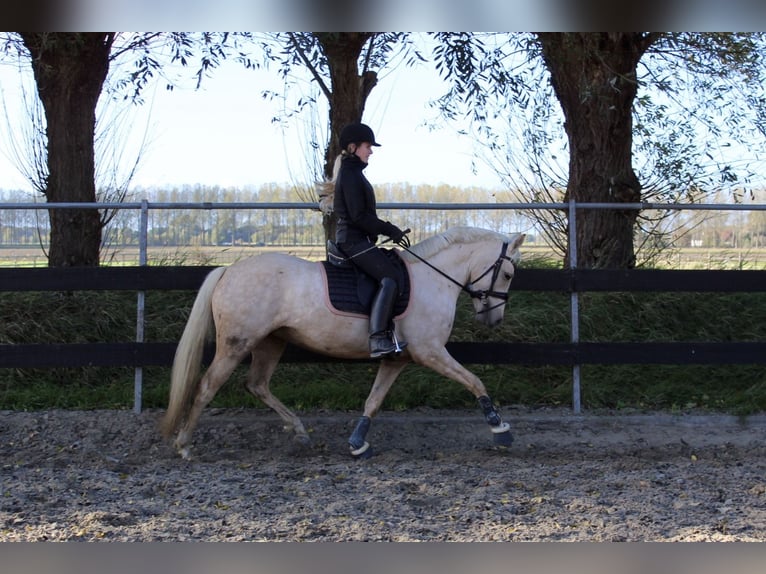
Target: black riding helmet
[357,133]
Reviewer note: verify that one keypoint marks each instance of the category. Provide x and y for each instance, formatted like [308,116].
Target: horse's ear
[518,240]
[513,248]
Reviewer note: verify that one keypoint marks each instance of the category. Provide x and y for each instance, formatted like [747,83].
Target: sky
[223,134]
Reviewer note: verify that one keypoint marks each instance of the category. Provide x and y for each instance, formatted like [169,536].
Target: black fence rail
[142,354]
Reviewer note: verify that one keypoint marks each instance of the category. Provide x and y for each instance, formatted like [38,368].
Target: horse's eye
[508,276]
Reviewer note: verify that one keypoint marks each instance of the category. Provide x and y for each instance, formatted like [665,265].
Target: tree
[347,90]
[345,67]
[594,78]
[70,70]
[596,81]
[115,161]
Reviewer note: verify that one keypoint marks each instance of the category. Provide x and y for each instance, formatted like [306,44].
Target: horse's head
[489,285]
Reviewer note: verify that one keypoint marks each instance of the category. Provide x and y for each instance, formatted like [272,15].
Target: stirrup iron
[395,339]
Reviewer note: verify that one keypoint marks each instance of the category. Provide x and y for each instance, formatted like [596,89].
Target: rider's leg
[381,342]
[375,263]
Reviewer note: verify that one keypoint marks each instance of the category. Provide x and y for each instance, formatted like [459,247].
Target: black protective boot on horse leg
[382,338]
[501,432]
[360,448]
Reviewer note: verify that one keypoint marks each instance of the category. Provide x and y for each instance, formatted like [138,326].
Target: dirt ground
[436,476]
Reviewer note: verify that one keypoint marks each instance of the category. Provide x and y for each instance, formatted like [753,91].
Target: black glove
[394,232]
[398,236]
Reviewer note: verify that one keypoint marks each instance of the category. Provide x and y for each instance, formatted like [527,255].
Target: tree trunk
[348,94]
[70,70]
[594,78]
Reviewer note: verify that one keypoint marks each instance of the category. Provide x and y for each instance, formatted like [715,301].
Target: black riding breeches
[372,261]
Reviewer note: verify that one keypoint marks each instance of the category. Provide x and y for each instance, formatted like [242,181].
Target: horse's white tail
[188,358]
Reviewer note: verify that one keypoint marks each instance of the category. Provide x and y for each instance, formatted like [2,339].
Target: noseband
[482,294]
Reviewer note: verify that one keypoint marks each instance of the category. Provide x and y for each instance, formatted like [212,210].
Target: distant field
[177,255]
[687,258]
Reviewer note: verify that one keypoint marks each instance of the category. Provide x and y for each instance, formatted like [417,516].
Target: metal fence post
[574,304]
[138,381]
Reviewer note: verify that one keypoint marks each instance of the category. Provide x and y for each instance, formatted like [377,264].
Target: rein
[482,294]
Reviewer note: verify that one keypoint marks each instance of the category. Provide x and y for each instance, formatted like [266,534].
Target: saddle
[350,290]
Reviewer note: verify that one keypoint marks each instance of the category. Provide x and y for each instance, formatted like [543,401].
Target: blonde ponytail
[326,189]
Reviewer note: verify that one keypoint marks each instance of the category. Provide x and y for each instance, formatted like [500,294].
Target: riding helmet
[357,133]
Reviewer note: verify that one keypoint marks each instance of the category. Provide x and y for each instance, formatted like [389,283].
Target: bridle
[482,294]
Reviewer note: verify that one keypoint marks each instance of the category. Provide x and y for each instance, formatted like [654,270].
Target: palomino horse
[260,304]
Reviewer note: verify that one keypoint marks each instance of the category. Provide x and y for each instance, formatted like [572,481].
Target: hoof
[363,452]
[300,443]
[302,439]
[185,453]
[503,439]
[501,435]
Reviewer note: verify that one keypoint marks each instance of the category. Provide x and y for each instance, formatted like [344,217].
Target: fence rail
[141,353]
[189,277]
[575,353]
[572,281]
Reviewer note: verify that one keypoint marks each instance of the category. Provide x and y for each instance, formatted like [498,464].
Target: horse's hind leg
[264,360]
[387,373]
[216,375]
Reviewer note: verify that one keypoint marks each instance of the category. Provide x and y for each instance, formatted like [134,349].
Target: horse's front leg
[444,364]
[387,372]
[500,431]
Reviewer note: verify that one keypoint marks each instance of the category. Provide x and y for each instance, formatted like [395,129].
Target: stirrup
[395,347]
[400,345]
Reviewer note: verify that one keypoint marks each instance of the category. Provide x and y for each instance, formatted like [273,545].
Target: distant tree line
[171,227]
[281,227]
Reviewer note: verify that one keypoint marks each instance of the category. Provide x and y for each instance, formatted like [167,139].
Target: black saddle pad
[351,291]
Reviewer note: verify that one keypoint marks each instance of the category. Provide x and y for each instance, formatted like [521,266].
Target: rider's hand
[398,236]
[394,233]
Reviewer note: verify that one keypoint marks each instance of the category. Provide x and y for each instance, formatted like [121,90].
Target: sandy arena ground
[436,476]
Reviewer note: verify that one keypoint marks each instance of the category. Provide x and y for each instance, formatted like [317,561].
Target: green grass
[530,317]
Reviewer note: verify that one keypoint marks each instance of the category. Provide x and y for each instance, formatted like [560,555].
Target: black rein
[483,294]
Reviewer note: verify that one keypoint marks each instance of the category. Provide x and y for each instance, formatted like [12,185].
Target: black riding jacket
[354,204]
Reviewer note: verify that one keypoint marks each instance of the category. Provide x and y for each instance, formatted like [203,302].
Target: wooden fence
[146,278]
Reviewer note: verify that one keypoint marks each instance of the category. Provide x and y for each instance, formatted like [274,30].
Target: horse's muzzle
[491,319]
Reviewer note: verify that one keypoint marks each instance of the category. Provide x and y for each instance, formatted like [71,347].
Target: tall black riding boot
[381,342]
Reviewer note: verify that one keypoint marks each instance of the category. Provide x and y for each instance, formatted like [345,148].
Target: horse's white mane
[432,245]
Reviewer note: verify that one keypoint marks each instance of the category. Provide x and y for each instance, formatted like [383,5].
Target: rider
[357,232]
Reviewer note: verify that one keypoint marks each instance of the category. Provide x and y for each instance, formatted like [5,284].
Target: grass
[530,317]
